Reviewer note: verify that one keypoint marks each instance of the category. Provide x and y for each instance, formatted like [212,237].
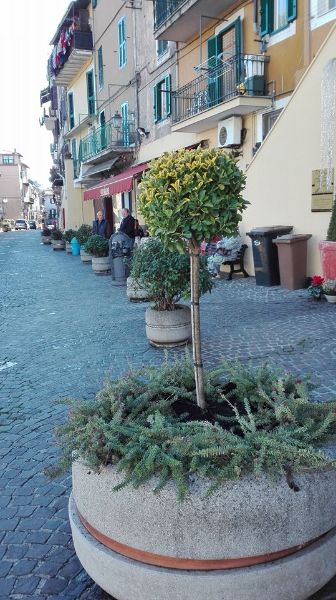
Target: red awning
[115,185]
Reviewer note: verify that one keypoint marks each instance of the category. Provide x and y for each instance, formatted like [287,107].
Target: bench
[239,261]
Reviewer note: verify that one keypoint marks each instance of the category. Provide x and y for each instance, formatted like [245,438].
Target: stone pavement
[62,331]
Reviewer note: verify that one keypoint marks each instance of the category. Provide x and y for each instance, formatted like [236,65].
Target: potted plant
[316,286]
[165,275]
[83,233]
[68,235]
[329,290]
[57,240]
[211,438]
[45,236]
[98,248]
[328,248]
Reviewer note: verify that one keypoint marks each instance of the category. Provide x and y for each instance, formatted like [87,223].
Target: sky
[28,27]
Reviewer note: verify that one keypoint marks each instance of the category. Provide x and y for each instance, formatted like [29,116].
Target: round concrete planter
[251,540]
[328,259]
[101,265]
[86,258]
[331,299]
[46,239]
[135,292]
[68,247]
[58,244]
[168,328]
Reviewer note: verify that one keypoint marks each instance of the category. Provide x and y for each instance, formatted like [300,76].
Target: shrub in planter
[68,234]
[57,234]
[83,233]
[45,232]
[254,453]
[98,247]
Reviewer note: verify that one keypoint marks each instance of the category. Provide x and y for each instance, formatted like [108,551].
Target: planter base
[171,345]
[295,577]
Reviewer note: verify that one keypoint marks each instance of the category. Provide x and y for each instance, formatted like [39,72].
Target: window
[268,120]
[74,157]
[124,123]
[161,47]
[324,6]
[276,15]
[71,111]
[100,68]
[90,93]
[126,200]
[8,159]
[162,100]
[122,42]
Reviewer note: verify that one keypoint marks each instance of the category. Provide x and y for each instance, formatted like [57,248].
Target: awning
[105,166]
[115,185]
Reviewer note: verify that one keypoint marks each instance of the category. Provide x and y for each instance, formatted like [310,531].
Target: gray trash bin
[120,246]
[265,253]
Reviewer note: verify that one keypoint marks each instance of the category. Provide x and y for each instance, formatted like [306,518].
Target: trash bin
[120,246]
[265,253]
[292,252]
[75,247]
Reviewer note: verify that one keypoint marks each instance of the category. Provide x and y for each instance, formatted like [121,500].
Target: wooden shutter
[264,17]
[122,42]
[291,10]
[71,110]
[213,90]
[167,86]
[155,103]
[90,93]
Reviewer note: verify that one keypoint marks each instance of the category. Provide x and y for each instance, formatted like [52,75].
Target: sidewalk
[63,330]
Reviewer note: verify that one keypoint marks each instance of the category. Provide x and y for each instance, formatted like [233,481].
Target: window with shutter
[276,15]
[90,93]
[71,110]
[122,42]
[124,123]
[74,157]
[161,47]
[324,6]
[100,68]
[162,99]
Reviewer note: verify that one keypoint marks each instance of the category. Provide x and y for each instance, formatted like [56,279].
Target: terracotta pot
[101,265]
[328,259]
[259,539]
[168,328]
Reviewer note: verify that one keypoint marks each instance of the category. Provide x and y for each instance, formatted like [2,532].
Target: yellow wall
[279,179]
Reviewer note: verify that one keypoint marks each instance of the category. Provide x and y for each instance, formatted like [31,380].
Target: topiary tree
[187,197]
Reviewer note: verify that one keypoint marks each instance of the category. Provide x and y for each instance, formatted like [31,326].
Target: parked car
[21,224]
[32,224]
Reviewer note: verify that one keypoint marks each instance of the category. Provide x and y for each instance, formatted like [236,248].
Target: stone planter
[251,540]
[46,239]
[68,247]
[101,265]
[331,299]
[168,328]
[328,259]
[58,244]
[86,258]
[135,292]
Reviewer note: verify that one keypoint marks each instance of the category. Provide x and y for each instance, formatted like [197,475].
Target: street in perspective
[167,300]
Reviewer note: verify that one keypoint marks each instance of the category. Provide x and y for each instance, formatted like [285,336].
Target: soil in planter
[215,411]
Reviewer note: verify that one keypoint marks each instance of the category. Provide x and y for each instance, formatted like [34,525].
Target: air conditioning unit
[229,132]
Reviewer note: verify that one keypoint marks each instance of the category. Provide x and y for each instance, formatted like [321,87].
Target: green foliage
[331,235]
[83,234]
[192,195]
[69,234]
[97,246]
[166,274]
[56,234]
[145,423]
[45,232]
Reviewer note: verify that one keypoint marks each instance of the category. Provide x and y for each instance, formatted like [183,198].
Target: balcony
[179,20]
[237,86]
[64,67]
[106,142]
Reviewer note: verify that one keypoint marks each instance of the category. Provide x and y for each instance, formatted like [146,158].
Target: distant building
[14,186]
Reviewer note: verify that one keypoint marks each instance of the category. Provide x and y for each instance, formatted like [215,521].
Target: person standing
[100,225]
[127,224]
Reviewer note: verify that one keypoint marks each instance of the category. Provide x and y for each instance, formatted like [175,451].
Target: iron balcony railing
[105,138]
[163,9]
[243,74]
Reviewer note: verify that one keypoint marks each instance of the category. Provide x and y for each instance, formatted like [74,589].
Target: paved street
[63,330]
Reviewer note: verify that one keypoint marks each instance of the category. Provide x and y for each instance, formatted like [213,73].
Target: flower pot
[328,259]
[86,258]
[168,328]
[58,244]
[329,298]
[253,539]
[101,265]
[46,239]
[68,247]
[135,292]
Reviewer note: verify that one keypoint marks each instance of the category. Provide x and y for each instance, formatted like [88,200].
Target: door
[224,63]
[108,213]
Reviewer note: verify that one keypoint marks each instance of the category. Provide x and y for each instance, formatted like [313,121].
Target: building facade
[16,195]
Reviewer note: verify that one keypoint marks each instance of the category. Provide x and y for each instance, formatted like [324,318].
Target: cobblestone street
[63,331]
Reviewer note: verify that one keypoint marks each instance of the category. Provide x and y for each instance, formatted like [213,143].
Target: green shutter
[213,81]
[291,10]
[264,17]
[71,111]
[94,3]
[100,67]
[122,42]
[167,85]
[156,102]
[90,93]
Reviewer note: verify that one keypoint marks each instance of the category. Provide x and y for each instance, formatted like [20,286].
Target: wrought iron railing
[106,137]
[163,9]
[220,81]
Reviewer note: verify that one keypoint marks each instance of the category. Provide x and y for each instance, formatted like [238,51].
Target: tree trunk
[195,322]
